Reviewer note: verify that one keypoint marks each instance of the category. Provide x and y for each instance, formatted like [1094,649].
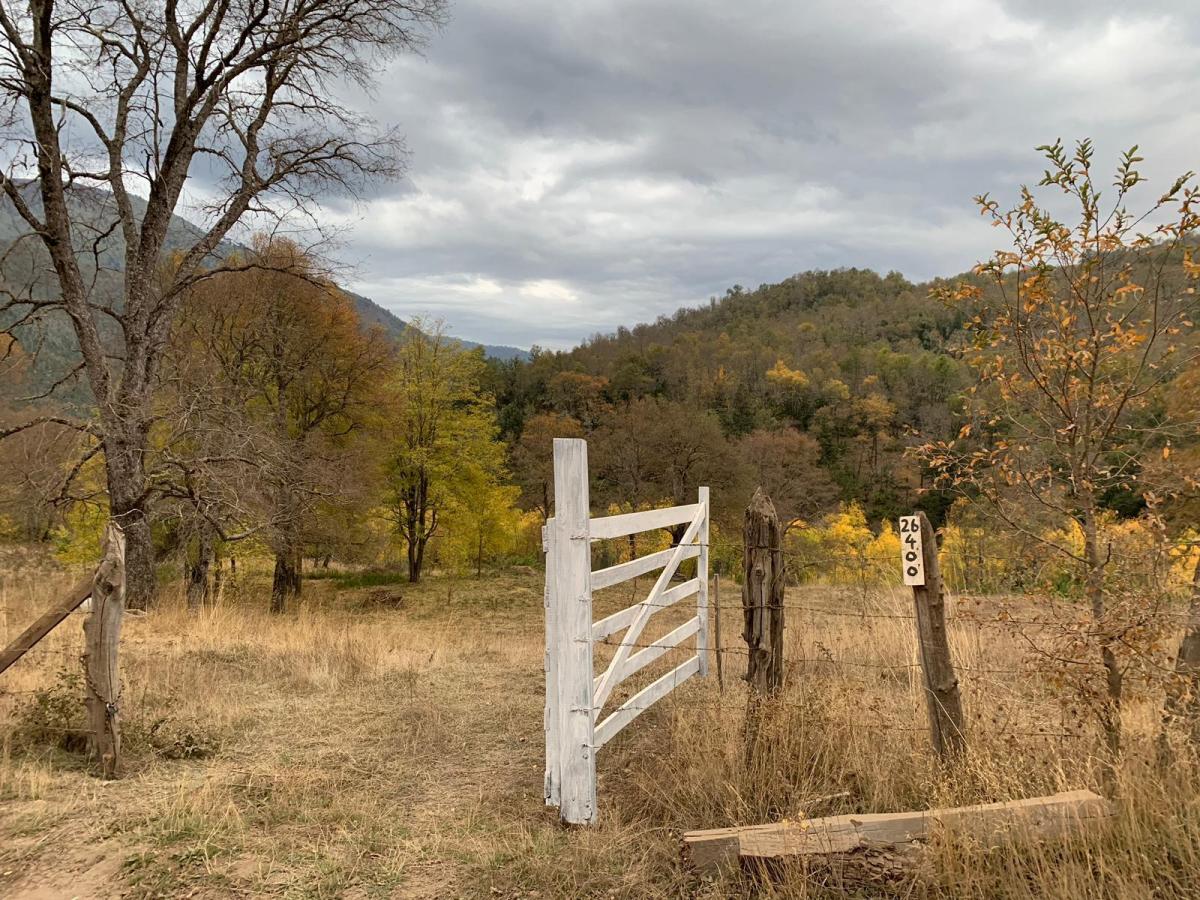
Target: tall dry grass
[348,749]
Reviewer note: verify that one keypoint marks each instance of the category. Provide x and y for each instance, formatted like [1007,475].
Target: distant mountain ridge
[371,312]
[92,207]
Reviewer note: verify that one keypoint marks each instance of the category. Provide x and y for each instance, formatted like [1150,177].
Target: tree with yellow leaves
[440,453]
[1077,329]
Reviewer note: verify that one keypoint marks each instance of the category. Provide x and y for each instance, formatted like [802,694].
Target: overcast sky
[580,165]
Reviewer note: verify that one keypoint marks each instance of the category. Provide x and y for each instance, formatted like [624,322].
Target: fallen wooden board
[989,824]
[45,623]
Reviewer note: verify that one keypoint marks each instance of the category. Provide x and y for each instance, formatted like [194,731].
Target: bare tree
[130,95]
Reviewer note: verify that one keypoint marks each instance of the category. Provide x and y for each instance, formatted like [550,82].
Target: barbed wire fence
[1005,647]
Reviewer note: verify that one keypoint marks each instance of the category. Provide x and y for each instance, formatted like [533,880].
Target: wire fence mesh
[860,638]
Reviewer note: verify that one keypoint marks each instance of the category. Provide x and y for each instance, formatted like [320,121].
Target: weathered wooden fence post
[762,596]
[572,598]
[946,724]
[102,636]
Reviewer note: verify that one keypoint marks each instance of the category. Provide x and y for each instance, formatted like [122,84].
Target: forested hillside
[101,250]
[814,386]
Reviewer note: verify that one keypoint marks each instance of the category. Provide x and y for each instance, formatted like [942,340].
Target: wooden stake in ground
[717,628]
[946,725]
[102,636]
[762,596]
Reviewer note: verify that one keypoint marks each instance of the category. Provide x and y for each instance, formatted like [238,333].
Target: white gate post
[571,595]
[550,717]
[702,590]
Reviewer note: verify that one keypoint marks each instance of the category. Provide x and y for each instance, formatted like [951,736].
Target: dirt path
[400,782]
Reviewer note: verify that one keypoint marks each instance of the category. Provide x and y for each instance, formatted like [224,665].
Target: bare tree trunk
[127,500]
[102,636]
[416,559]
[198,591]
[285,586]
[1110,710]
[218,578]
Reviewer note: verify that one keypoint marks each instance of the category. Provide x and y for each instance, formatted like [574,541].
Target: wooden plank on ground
[990,824]
[45,623]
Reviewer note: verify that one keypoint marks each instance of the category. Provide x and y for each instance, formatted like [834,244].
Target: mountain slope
[854,362]
[25,263]
[374,314]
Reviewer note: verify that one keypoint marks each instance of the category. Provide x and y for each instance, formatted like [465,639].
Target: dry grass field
[386,741]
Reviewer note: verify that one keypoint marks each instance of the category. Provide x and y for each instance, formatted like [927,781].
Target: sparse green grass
[354,751]
[352,580]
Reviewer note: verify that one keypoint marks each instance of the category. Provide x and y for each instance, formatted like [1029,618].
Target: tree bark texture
[1110,709]
[124,455]
[285,585]
[762,596]
[198,590]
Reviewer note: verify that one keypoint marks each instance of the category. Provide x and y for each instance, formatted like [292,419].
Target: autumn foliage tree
[120,102]
[533,459]
[273,378]
[1076,330]
[439,446]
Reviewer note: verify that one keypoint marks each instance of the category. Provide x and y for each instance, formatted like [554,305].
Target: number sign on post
[911,558]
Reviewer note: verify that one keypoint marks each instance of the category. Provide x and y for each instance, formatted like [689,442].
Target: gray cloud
[576,166]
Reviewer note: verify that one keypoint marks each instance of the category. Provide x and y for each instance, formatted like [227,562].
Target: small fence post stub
[946,724]
[102,636]
[702,641]
[572,599]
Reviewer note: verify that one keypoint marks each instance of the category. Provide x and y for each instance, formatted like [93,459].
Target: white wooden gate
[575,695]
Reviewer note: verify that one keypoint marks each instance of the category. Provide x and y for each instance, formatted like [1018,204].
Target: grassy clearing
[350,750]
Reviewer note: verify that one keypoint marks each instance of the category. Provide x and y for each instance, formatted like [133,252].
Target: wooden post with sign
[919,558]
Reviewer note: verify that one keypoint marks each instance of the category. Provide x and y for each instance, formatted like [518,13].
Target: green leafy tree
[439,434]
